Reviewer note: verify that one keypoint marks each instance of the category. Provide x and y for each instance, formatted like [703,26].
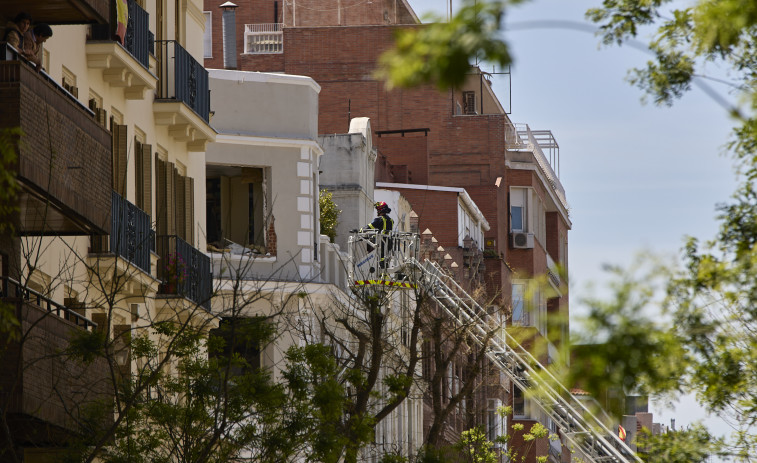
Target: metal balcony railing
[12,289]
[137,38]
[184,270]
[182,78]
[131,235]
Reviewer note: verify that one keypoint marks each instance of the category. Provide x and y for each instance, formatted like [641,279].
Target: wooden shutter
[189,214]
[144,177]
[181,206]
[161,223]
[120,158]
[171,175]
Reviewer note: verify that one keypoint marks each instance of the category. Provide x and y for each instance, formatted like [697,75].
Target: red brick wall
[410,150]
[437,211]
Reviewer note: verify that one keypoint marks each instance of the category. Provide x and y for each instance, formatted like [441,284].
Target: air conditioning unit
[521,240]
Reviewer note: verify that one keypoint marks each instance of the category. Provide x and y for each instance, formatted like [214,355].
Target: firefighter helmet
[382,208]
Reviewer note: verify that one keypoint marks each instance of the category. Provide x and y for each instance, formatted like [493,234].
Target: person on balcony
[15,30]
[33,40]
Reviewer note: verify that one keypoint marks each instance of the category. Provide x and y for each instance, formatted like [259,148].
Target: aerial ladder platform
[382,261]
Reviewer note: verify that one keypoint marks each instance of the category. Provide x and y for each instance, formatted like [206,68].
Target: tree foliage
[441,53]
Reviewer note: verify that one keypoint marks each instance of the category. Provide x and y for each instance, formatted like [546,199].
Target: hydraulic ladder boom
[376,258]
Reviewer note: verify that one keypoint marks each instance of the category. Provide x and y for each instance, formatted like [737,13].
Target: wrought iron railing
[184,270]
[136,40]
[182,78]
[137,37]
[131,235]
[12,289]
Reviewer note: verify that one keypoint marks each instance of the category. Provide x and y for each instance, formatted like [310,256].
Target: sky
[637,177]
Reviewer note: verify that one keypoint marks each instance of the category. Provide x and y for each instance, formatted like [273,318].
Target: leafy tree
[691,445]
[329,214]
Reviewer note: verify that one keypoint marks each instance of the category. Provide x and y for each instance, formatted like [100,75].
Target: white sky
[637,177]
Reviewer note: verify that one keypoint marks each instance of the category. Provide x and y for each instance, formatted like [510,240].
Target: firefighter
[383,225]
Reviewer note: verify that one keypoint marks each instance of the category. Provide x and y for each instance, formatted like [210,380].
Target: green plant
[329,214]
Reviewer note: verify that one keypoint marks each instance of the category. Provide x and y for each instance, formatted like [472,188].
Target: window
[469,103]
[69,82]
[236,205]
[494,425]
[207,37]
[143,174]
[520,313]
[96,105]
[120,157]
[518,203]
[174,201]
[263,38]
[519,403]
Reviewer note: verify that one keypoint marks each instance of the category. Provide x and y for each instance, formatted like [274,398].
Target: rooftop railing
[546,151]
[182,78]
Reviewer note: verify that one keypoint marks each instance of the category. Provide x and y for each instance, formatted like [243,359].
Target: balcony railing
[12,289]
[137,39]
[184,270]
[131,236]
[182,78]
[263,38]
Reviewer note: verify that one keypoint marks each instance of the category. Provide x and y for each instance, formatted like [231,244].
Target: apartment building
[111,205]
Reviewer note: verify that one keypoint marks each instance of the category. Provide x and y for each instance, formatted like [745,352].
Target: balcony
[125,65]
[41,389]
[131,236]
[64,164]
[184,271]
[60,11]
[183,99]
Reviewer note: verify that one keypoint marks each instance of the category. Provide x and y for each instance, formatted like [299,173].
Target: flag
[621,433]
[122,17]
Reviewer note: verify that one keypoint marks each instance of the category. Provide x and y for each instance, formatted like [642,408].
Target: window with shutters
[96,105]
[469,102]
[120,157]
[143,177]
[174,201]
[69,82]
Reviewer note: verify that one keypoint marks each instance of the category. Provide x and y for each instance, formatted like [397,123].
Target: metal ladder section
[587,436]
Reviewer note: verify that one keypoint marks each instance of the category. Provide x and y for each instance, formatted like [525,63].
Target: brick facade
[76,174]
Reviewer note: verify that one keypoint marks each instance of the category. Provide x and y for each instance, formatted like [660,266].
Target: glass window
[517,219]
[519,402]
[518,303]
[208,35]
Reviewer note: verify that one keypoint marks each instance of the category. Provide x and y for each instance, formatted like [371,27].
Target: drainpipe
[229,35]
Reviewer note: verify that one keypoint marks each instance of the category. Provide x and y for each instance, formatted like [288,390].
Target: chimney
[229,35]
